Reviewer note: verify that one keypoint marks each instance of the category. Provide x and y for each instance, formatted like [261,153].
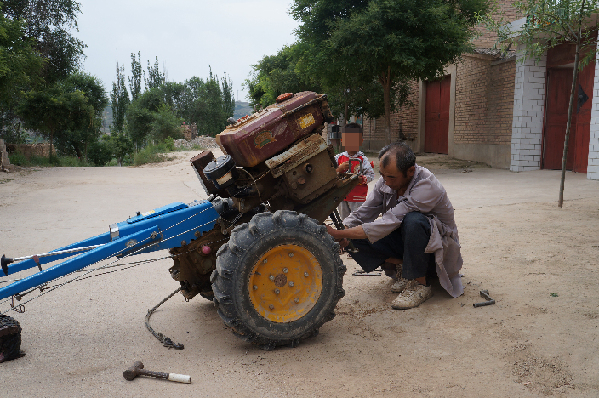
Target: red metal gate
[436,115]
[559,84]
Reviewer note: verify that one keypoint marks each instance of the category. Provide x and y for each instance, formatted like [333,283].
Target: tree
[19,69]
[390,41]
[155,77]
[55,111]
[166,124]
[119,99]
[136,74]
[278,74]
[140,115]
[77,140]
[550,23]
[121,146]
[47,24]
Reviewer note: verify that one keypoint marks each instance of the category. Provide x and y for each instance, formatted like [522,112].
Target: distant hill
[242,109]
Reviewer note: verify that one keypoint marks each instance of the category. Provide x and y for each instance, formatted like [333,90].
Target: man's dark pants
[406,242]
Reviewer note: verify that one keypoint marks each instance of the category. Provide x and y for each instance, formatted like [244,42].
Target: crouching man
[416,225]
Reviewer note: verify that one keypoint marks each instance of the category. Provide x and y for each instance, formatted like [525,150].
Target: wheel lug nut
[272,307]
[290,254]
[285,270]
[265,261]
[291,284]
[272,278]
[277,291]
[296,300]
[255,287]
[305,274]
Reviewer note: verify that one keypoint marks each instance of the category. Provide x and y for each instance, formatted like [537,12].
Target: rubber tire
[10,344]
[236,259]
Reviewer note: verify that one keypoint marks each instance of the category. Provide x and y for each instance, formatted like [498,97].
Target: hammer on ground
[484,294]
[138,370]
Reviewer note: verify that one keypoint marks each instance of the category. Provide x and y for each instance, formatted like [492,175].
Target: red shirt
[359,193]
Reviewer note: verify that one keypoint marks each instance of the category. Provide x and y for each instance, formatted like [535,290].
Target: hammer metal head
[133,371]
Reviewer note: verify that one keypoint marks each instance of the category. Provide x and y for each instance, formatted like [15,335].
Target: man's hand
[333,232]
[350,233]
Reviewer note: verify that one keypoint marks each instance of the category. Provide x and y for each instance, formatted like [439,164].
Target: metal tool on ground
[361,272]
[138,370]
[484,294]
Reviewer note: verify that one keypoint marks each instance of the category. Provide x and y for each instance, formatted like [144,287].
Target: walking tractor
[257,247]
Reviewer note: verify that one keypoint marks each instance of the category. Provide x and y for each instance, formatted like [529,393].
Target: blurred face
[394,178]
[352,141]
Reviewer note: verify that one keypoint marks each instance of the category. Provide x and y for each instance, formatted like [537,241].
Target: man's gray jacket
[426,195]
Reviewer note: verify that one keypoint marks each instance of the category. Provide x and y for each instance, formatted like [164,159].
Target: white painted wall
[593,165]
[529,104]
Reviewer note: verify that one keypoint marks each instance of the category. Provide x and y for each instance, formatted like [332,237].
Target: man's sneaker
[413,295]
[399,285]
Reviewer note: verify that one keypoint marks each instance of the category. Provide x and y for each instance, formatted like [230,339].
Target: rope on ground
[167,342]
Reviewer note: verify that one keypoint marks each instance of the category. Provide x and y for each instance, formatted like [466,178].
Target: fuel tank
[253,139]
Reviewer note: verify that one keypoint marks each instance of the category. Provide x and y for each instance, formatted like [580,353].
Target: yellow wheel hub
[285,283]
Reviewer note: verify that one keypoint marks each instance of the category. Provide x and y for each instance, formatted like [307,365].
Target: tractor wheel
[10,339]
[278,279]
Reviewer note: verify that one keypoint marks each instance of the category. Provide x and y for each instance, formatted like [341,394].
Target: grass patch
[154,153]
[190,148]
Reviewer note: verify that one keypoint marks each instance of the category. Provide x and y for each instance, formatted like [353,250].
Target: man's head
[351,137]
[397,165]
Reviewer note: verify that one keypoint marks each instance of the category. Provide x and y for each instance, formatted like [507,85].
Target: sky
[187,36]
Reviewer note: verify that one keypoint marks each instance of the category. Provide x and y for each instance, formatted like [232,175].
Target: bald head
[399,153]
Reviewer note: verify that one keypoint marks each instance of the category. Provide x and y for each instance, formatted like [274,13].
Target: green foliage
[76,140]
[121,146]
[19,63]
[47,25]
[278,74]
[119,99]
[207,103]
[135,79]
[56,111]
[154,153]
[166,124]
[99,152]
[155,77]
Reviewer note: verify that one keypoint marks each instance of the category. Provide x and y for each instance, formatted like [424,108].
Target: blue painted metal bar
[106,251]
[172,225]
[30,263]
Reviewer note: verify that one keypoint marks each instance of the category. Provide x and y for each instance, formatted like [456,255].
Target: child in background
[352,139]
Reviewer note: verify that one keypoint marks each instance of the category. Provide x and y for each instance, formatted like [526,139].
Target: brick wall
[41,150]
[484,101]
[507,11]
[405,119]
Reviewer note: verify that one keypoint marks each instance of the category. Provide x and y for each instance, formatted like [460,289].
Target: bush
[154,153]
[99,153]
[18,159]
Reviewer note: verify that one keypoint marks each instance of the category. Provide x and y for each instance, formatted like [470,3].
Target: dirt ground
[537,261]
